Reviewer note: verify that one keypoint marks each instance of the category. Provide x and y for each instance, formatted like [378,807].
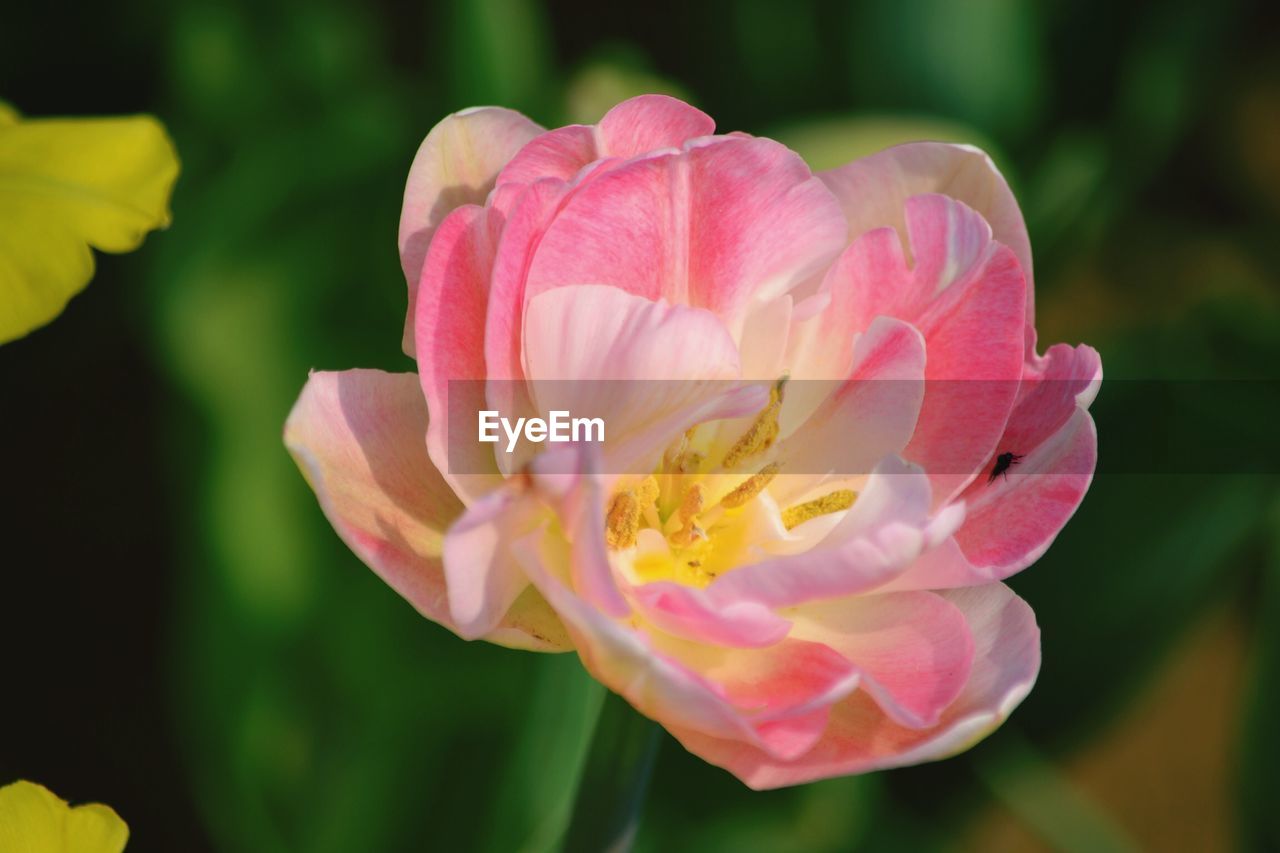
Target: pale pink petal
[484,579]
[775,698]
[688,612]
[455,165]
[860,737]
[358,437]
[913,649]
[634,127]
[785,690]
[648,369]
[450,332]
[965,293]
[874,189]
[888,526]
[869,416]
[714,226]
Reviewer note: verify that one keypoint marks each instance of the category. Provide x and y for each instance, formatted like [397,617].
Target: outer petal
[450,330]
[860,737]
[775,698]
[67,185]
[1012,521]
[714,226]
[914,649]
[358,438]
[455,165]
[966,295]
[634,127]
[873,190]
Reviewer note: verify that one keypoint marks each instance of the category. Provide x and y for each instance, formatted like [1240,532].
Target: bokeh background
[185,638]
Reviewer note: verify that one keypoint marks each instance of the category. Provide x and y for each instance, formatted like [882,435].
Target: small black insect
[1003,463]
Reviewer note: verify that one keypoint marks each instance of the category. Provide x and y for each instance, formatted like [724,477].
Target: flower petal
[688,612]
[450,331]
[72,184]
[455,165]
[869,416]
[888,526]
[634,127]
[860,737]
[965,293]
[34,820]
[715,226]
[874,189]
[913,649]
[358,438]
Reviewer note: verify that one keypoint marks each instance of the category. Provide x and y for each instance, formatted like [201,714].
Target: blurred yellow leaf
[67,185]
[599,86]
[34,820]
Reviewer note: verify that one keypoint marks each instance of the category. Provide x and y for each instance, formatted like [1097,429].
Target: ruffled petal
[455,165]
[358,438]
[860,737]
[874,189]
[634,127]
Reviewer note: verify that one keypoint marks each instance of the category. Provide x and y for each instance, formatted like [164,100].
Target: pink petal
[870,415]
[774,698]
[483,577]
[358,438]
[966,295]
[455,165]
[688,612]
[1012,520]
[598,351]
[634,127]
[450,331]
[860,737]
[888,526]
[913,649]
[714,226]
[874,189]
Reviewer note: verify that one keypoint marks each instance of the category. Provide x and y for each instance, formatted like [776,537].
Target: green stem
[606,813]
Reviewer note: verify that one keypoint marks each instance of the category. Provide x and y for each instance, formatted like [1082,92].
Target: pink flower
[784,624]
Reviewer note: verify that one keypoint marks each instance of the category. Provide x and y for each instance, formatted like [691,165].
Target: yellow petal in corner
[34,820]
[67,185]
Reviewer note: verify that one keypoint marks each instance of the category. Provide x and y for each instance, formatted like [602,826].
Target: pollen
[834,502]
[754,485]
[690,505]
[762,433]
[622,522]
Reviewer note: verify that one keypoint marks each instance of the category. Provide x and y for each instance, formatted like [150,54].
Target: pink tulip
[783,624]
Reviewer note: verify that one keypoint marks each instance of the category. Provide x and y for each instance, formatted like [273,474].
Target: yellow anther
[834,502]
[647,491]
[622,522]
[762,433]
[754,485]
[690,506]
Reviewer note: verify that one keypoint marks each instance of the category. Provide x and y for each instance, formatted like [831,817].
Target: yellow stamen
[762,433]
[622,522]
[753,486]
[834,502]
[690,506]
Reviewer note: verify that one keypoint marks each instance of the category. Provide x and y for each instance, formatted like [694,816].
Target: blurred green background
[186,639]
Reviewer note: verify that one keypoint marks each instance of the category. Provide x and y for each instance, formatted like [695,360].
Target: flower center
[691,520]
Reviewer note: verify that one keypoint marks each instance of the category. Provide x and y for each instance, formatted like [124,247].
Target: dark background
[185,638]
